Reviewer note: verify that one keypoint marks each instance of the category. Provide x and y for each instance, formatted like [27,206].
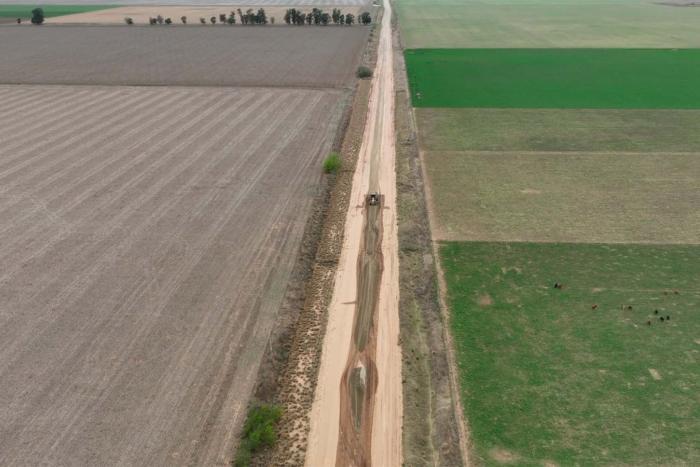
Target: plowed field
[146,240]
[183,56]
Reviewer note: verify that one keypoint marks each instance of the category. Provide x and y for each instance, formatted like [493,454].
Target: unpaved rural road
[357,415]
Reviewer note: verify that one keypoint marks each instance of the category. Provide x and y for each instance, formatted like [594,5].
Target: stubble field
[147,239]
[186,56]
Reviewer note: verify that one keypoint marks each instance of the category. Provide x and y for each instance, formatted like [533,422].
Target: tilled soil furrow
[112,247]
[40,178]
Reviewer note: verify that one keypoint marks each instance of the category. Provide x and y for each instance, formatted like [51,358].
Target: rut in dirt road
[359,382]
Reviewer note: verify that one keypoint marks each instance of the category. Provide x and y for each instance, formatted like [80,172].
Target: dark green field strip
[555,78]
[25,11]
[600,130]
[545,377]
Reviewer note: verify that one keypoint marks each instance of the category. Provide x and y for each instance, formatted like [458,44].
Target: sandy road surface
[375,171]
[146,238]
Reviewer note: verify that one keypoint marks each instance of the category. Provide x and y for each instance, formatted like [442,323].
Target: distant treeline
[320,17]
[316,17]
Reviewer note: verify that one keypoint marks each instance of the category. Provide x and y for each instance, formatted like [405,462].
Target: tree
[38,16]
[202,20]
[231,18]
[152,21]
[349,19]
[213,20]
[183,19]
[240,15]
[341,19]
[19,20]
[222,18]
[159,19]
[325,19]
[128,21]
[336,15]
[365,18]
[168,21]
[272,20]
[309,18]
[261,17]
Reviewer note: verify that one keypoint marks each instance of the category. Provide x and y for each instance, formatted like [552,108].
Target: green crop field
[548,379]
[546,23]
[25,11]
[555,78]
[629,130]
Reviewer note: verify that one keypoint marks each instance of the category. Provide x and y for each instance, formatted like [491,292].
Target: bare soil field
[147,239]
[141,14]
[192,56]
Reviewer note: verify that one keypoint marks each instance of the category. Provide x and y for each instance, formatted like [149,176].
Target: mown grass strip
[555,78]
[576,376]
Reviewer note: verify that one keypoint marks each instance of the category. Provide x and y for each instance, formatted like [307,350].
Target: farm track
[141,227]
[357,413]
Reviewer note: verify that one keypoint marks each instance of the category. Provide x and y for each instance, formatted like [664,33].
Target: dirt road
[146,239]
[357,415]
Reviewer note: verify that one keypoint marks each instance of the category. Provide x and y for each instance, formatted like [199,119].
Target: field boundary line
[464,434]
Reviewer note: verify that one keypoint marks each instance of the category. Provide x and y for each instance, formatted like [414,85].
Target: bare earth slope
[147,236]
[187,56]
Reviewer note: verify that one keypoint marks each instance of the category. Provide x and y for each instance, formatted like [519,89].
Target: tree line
[319,17]
[293,16]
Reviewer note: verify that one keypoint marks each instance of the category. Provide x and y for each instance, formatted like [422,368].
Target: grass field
[545,378]
[544,23]
[554,78]
[566,197]
[606,130]
[25,11]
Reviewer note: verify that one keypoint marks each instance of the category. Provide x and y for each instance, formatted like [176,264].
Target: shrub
[160,19]
[202,20]
[128,20]
[332,163]
[364,72]
[38,16]
[259,432]
[222,18]
[183,19]
[213,20]
[168,21]
[19,20]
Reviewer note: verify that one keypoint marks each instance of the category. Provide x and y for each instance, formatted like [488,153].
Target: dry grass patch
[566,197]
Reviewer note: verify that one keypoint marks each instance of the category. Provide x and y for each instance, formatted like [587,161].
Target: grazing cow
[629,307]
[557,285]
[594,307]
[662,319]
[668,318]
[656,312]
[648,322]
